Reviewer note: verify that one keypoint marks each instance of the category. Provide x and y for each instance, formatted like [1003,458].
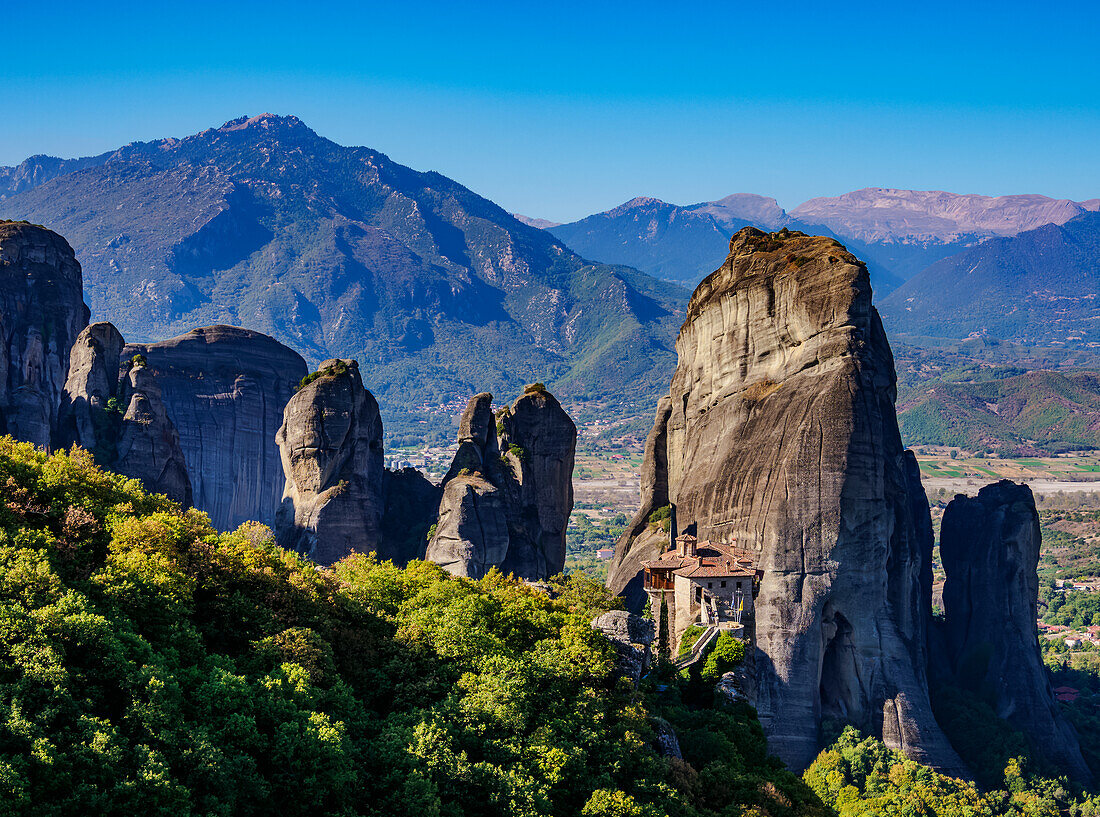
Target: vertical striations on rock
[42,311]
[989,545]
[114,409]
[642,541]
[471,535]
[225,389]
[148,445]
[89,401]
[782,436]
[330,442]
[508,494]
[539,443]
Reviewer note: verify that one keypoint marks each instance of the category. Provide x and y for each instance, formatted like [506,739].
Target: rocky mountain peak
[733,211]
[338,252]
[265,121]
[637,203]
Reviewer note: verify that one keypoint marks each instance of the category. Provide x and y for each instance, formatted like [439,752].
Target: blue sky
[563,109]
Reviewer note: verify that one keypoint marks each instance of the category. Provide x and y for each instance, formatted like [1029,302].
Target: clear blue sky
[561,109]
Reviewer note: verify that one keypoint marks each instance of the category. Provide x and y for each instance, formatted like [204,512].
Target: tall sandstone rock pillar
[507,497]
[781,435]
[42,311]
[331,448]
[989,545]
[114,409]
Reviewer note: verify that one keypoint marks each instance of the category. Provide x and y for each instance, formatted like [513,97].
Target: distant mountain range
[339,251]
[1041,287]
[897,232]
[681,244]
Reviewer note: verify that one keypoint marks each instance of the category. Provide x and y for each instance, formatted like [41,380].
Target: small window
[710,585]
[739,585]
[723,584]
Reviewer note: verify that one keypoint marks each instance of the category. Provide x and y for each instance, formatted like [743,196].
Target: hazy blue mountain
[670,242]
[339,251]
[897,233]
[685,244]
[1041,287]
[904,231]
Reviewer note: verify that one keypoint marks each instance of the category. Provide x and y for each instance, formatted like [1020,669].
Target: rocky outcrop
[330,442]
[642,541]
[225,389]
[148,446]
[114,409]
[782,436]
[539,443]
[90,398]
[42,311]
[471,534]
[410,507]
[506,499]
[632,637]
[989,545]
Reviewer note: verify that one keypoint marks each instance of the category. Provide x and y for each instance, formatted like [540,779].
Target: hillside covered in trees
[152,665]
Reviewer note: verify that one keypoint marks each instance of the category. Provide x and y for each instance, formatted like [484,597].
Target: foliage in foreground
[151,665]
[859,777]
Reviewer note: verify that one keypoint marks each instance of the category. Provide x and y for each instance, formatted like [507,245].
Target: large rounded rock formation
[781,436]
[42,311]
[113,408]
[331,448]
[509,491]
[989,545]
[225,389]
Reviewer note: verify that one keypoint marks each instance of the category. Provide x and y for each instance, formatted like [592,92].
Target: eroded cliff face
[113,408]
[506,499]
[148,444]
[410,508]
[90,396]
[42,311]
[642,541]
[330,443]
[989,545]
[225,389]
[539,442]
[782,436]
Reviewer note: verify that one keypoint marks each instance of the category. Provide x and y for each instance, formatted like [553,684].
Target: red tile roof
[710,559]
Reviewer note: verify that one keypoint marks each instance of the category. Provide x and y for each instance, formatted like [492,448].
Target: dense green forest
[154,666]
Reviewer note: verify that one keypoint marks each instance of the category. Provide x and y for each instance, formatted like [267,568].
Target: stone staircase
[698,650]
